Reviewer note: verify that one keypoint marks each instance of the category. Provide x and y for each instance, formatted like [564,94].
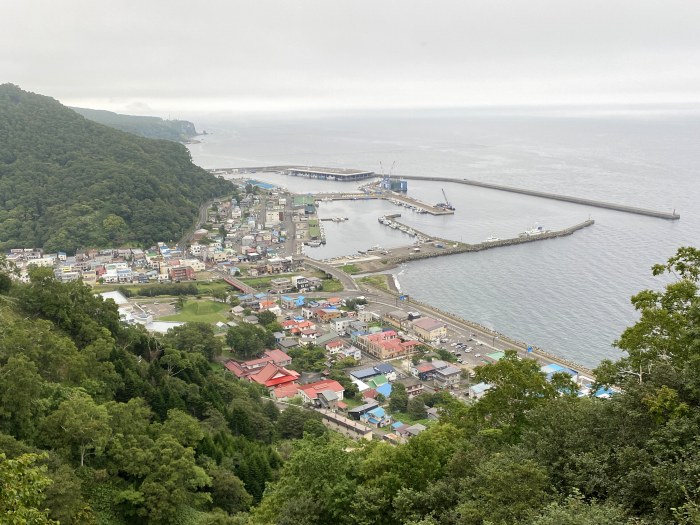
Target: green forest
[101,423]
[68,183]
[149,127]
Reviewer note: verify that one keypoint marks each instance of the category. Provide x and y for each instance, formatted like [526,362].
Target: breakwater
[464,248]
[566,198]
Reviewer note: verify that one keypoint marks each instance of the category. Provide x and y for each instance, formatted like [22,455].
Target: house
[429,329]
[288,344]
[551,369]
[387,370]
[341,324]
[447,377]
[247,368]
[351,351]
[314,283]
[326,315]
[328,399]
[308,336]
[477,391]
[280,285]
[365,374]
[289,303]
[335,346]
[414,387]
[272,376]
[377,381]
[285,392]
[356,326]
[309,393]
[384,390]
[397,318]
[357,412]
[415,429]
[300,282]
[377,417]
[423,371]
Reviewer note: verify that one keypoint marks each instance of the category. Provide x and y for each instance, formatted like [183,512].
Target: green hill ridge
[149,127]
[68,183]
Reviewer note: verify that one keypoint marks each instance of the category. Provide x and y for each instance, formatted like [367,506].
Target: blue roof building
[384,390]
[384,368]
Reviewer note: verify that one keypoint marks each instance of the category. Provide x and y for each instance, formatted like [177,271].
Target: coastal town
[375,337]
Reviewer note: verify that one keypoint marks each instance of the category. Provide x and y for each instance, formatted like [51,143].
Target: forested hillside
[103,423]
[67,182]
[149,127]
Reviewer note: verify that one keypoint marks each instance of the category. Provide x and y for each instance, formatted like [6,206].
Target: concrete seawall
[566,198]
[517,345]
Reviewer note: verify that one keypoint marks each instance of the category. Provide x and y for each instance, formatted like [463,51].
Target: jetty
[451,248]
[554,196]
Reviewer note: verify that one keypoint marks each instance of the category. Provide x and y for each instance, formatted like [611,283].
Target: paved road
[348,282]
[482,342]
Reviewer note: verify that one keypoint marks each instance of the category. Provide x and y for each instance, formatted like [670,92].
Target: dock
[451,248]
[398,200]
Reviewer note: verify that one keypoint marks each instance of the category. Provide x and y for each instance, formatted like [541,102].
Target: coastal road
[483,342]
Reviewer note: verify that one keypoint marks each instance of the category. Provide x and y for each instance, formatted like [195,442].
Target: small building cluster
[159,263]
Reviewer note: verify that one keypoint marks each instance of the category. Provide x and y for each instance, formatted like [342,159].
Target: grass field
[203,287]
[200,312]
[259,283]
[332,285]
[351,269]
[378,281]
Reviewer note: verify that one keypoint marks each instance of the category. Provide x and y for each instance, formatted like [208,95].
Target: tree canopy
[68,183]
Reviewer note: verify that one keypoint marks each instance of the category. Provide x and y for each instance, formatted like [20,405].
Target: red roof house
[310,392]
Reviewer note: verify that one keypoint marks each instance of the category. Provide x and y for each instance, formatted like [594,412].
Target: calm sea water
[570,295]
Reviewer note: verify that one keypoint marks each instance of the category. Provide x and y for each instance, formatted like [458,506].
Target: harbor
[426,246]
[336,174]
[479,221]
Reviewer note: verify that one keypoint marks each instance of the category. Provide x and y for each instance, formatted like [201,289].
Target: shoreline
[518,346]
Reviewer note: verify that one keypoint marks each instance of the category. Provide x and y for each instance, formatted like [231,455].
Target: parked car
[477,355]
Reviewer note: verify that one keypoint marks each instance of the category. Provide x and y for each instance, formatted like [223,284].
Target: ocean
[570,295]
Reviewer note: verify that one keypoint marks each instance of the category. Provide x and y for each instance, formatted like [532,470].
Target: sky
[168,57]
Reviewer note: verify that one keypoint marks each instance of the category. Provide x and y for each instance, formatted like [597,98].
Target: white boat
[537,230]
[492,239]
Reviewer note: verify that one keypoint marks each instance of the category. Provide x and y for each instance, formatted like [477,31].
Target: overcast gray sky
[168,56]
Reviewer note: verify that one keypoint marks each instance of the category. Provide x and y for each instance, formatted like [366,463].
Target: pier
[398,200]
[432,246]
[454,248]
[554,196]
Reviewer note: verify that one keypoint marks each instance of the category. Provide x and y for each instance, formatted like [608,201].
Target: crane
[447,202]
[446,205]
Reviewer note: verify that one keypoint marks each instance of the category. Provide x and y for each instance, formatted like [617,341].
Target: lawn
[203,287]
[200,312]
[404,417]
[351,269]
[332,285]
[378,281]
[259,283]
